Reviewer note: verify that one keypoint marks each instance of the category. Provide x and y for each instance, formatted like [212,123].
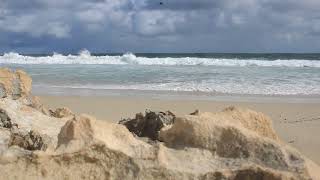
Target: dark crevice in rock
[61,112]
[5,120]
[30,141]
[256,174]
[148,125]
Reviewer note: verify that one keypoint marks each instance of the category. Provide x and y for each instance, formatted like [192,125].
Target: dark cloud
[182,4]
[148,26]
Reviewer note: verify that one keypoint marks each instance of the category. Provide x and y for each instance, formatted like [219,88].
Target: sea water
[208,73]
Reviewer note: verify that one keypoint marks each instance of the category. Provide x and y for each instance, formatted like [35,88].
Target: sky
[104,26]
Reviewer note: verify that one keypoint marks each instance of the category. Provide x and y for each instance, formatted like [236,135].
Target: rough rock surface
[233,144]
[61,112]
[5,120]
[150,124]
[14,84]
[30,141]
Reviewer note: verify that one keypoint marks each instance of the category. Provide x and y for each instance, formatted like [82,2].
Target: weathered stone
[30,141]
[78,130]
[3,92]
[5,120]
[25,82]
[14,84]
[35,103]
[230,145]
[150,124]
[195,113]
[61,112]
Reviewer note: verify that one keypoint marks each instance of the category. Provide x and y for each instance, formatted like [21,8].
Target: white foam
[205,87]
[85,57]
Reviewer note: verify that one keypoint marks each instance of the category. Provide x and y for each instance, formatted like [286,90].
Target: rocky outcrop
[17,85]
[14,84]
[234,144]
[61,112]
[5,120]
[30,141]
[150,124]
[234,134]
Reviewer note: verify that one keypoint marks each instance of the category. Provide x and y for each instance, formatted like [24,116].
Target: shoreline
[235,143]
[174,95]
[296,123]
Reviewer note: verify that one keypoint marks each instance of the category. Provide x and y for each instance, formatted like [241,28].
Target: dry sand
[296,123]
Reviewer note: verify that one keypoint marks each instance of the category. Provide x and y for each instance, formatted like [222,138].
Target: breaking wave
[85,57]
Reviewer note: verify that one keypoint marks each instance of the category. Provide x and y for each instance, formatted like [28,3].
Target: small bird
[161,3]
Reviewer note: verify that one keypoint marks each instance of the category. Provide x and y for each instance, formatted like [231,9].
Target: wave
[85,57]
[227,88]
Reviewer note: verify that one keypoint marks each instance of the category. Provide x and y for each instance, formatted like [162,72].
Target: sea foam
[85,57]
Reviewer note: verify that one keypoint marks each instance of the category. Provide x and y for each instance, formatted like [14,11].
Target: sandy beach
[51,137]
[297,123]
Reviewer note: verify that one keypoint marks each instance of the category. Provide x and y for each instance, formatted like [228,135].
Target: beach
[160,90]
[253,116]
[182,135]
[296,122]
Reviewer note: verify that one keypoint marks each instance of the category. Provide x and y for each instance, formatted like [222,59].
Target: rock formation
[61,112]
[14,84]
[233,144]
[150,124]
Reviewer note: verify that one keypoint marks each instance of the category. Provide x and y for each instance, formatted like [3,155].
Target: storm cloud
[37,26]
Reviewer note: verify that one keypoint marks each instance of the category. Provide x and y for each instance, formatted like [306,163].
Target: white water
[209,75]
[86,58]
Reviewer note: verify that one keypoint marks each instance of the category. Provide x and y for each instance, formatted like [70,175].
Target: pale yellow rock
[14,84]
[6,80]
[25,82]
[61,112]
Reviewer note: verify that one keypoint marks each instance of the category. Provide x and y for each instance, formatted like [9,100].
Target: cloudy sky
[39,26]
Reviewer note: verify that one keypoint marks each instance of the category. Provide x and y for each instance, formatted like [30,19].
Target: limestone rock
[14,84]
[35,103]
[30,141]
[76,131]
[234,144]
[25,82]
[150,124]
[207,146]
[24,119]
[195,113]
[235,134]
[3,91]
[5,120]
[61,112]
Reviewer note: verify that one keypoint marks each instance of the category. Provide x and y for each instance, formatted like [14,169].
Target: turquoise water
[235,74]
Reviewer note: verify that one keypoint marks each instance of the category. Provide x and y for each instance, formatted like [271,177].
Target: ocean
[198,73]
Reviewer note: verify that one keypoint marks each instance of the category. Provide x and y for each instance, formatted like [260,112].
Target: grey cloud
[183,5]
[176,25]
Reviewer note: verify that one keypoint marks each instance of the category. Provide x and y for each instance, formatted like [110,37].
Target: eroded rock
[31,140]
[232,144]
[35,103]
[14,84]
[3,91]
[196,112]
[148,125]
[231,134]
[61,112]
[5,120]
[77,132]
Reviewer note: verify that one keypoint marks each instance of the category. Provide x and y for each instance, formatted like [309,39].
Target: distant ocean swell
[213,74]
[130,59]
